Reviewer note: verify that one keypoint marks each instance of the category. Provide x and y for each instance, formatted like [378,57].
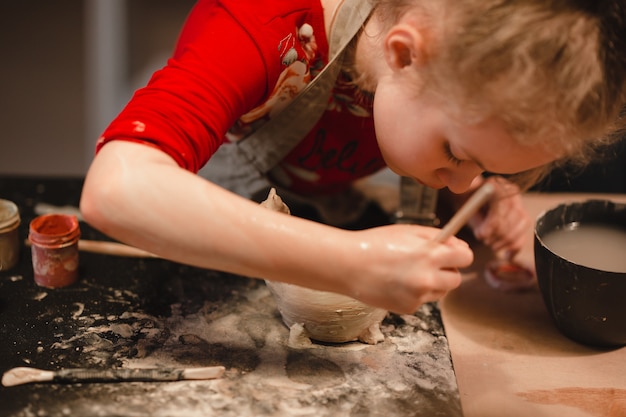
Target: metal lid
[9,216]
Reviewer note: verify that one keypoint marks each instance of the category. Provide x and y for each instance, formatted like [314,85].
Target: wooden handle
[113,248]
[471,206]
[109,248]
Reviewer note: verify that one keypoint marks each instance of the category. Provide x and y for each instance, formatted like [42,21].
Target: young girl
[437,90]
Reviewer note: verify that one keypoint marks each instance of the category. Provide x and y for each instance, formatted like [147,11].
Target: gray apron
[242,167]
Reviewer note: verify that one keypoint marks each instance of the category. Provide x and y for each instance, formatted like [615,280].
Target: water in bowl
[593,245]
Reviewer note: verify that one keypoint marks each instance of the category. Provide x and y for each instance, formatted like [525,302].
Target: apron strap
[270,143]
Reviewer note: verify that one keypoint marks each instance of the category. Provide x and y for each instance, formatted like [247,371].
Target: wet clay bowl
[580,258]
[327,317]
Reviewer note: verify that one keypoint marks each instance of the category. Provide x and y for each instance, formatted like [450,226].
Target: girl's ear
[404,46]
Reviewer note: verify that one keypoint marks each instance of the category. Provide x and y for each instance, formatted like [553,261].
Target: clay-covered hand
[402,267]
[503,223]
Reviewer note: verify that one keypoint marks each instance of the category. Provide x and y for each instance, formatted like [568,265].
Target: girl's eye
[453,159]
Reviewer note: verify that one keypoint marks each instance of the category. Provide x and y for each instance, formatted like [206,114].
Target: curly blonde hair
[553,70]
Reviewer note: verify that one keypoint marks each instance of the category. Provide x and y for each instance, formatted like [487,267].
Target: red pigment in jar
[9,235]
[54,239]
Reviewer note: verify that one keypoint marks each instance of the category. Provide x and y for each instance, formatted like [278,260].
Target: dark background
[605,175]
[44,87]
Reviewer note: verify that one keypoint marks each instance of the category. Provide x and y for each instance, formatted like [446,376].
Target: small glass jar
[54,239]
[9,235]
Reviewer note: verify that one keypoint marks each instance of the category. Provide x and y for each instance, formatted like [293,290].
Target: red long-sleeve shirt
[236,63]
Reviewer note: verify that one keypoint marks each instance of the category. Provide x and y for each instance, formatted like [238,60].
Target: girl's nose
[458,180]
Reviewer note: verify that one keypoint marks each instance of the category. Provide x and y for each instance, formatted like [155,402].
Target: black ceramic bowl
[588,304]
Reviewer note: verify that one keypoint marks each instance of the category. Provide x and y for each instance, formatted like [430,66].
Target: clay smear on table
[320,315]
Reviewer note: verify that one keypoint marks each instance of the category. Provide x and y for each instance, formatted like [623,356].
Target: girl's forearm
[153,204]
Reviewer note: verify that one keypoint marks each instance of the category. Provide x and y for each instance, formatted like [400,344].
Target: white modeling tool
[24,375]
[471,206]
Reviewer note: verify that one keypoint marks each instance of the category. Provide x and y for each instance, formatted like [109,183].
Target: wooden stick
[24,375]
[471,206]
[113,248]
[109,248]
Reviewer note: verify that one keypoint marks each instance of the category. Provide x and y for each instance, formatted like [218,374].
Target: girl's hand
[402,267]
[502,224]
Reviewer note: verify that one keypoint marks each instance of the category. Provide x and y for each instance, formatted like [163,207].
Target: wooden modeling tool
[109,248]
[113,248]
[24,375]
[471,206]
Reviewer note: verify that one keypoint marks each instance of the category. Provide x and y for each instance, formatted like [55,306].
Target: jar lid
[54,230]
[9,215]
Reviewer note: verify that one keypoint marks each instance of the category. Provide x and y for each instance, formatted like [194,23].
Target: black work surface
[129,312]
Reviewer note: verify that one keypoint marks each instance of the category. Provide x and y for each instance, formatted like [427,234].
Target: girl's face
[418,139]
[416,136]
